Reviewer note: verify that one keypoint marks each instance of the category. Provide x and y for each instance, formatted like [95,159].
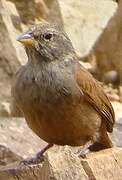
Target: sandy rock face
[63,164]
[85,21]
[12,54]
[109,51]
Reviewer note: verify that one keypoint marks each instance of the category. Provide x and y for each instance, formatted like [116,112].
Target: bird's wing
[94,94]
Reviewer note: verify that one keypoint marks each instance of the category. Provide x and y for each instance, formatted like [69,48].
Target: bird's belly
[67,125]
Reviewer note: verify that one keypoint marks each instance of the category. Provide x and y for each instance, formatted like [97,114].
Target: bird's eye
[48,36]
[36,36]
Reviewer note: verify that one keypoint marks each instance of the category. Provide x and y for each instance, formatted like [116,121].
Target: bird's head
[46,41]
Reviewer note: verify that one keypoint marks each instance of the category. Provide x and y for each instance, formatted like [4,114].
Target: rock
[12,54]
[48,10]
[111,77]
[38,10]
[111,91]
[109,51]
[9,9]
[42,8]
[113,97]
[120,93]
[65,165]
[7,156]
[116,136]
[5,109]
[25,10]
[105,164]
[15,134]
[117,108]
[11,50]
[85,21]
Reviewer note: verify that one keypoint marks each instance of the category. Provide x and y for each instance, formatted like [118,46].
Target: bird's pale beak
[26,39]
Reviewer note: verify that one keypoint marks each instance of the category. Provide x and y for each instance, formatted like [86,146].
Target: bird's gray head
[47,42]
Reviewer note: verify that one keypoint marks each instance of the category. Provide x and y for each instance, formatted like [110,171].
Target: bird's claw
[82,153]
[35,160]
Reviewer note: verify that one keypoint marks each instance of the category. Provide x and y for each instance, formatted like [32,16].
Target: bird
[61,101]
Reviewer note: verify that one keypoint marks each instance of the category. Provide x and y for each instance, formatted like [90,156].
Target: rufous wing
[94,94]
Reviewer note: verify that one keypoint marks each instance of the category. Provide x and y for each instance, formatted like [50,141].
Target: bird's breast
[47,86]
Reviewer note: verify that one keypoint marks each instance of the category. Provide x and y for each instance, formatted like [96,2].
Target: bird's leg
[103,142]
[96,146]
[83,153]
[39,156]
[43,150]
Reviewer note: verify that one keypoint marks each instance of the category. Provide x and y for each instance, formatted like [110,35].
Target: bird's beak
[26,39]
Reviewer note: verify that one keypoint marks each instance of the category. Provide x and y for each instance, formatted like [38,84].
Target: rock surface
[117,133]
[85,21]
[15,134]
[109,50]
[106,165]
[37,10]
[7,156]
[63,164]
[12,55]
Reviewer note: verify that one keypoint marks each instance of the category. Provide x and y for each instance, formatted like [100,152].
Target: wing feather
[94,94]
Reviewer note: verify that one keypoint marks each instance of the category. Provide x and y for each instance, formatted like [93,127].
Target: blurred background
[95,29]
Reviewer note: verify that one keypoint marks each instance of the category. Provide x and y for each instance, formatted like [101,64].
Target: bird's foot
[97,146]
[39,156]
[83,153]
[34,160]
